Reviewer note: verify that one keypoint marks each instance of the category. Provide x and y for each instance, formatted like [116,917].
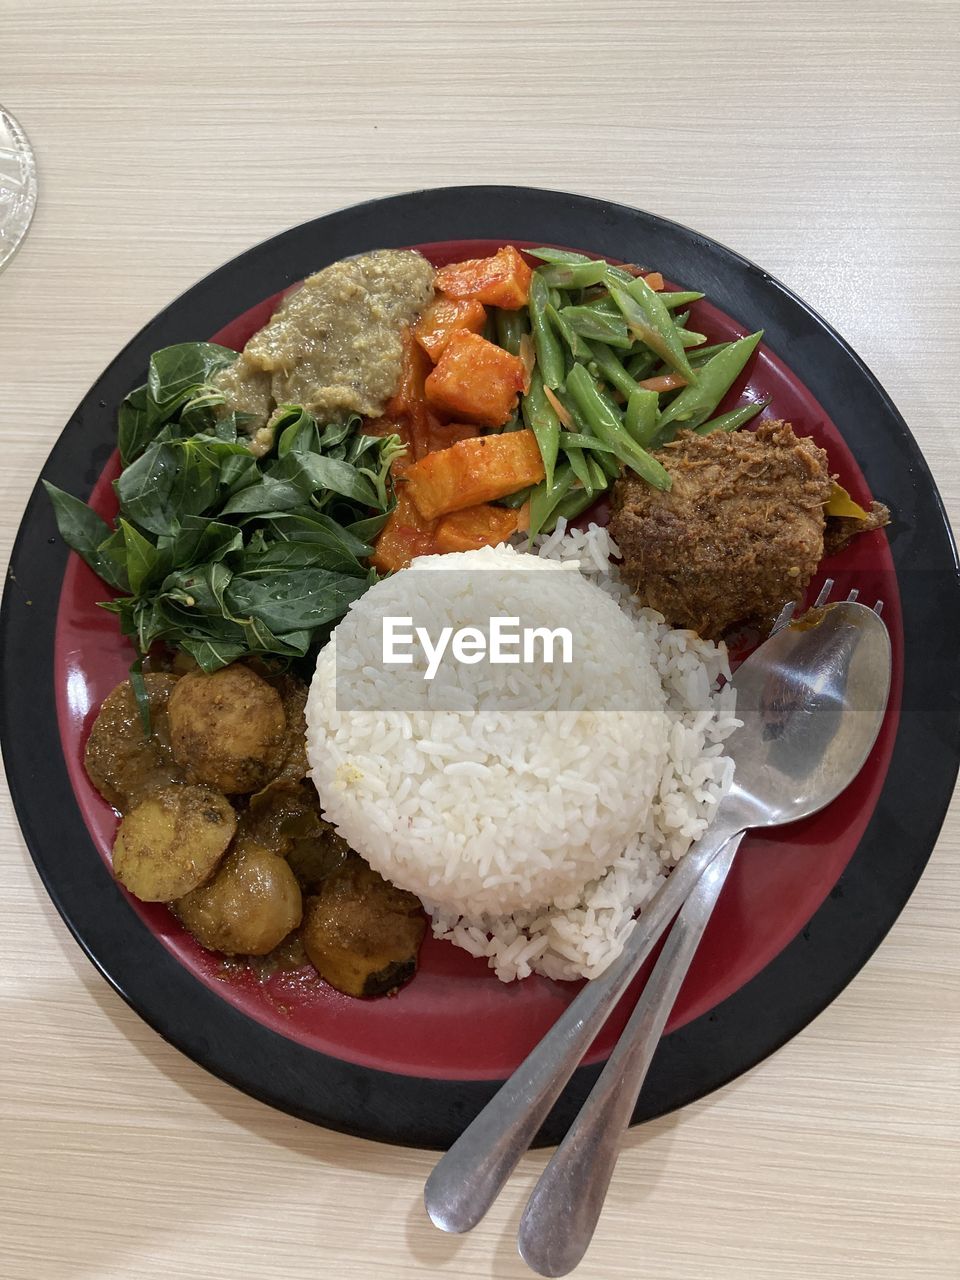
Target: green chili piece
[640,418]
[607,425]
[549,350]
[511,326]
[733,420]
[696,403]
[541,417]
[599,326]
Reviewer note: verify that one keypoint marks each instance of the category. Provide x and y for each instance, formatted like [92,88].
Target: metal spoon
[790,764]
[812,711]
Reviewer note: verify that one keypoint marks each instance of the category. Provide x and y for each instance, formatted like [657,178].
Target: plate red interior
[456,1020]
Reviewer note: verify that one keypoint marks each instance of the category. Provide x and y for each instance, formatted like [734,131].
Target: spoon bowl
[811,699]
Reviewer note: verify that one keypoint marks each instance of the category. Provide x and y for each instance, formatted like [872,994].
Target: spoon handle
[562,1212]
[467,1180]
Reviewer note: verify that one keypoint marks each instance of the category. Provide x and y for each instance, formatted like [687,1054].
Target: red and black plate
[804,908]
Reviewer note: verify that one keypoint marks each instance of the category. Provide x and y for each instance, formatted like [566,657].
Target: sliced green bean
[574,275]
[573,505]
[690,338]
[549,349]
[608,425]
[607,461]
[703,354]
[733,420]
[640,418]
[565,256]
[673,300]
[697,402]
[598,473]
[541,417]
[578,347]
[578,440]
[612,369]
[545,497]
[578,464]
[598,326]
[511,326]
[490,327]
[514,500]
[650,321]
[642,364]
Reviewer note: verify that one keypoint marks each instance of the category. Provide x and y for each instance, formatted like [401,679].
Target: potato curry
[220,821]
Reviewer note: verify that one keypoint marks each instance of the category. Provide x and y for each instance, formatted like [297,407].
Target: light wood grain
[818,139]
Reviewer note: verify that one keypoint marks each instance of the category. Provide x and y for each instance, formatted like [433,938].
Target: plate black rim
[767,1011]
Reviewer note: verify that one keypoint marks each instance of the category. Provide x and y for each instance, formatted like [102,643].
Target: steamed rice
[433,802]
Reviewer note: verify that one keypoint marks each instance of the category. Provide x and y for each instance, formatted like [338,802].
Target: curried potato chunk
[172,841]
[475,380]
[405,536]
[293,697]
[286,818]
[473,472]
[443,317]
[502,280]
[228,729]
[249,906]
[481,526]
[121,761]
[362,934]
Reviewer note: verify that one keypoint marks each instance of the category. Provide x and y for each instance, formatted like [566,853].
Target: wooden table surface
[819,140]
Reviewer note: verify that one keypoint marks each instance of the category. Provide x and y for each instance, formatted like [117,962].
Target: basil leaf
[317,554]
[86,533]
[199,540]
[134,430]
[295,600]
[212,653]
[174,372]
[141,556]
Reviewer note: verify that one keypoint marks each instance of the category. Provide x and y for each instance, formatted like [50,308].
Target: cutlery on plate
[811,699]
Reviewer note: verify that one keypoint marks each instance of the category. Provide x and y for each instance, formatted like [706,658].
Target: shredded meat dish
[739,533]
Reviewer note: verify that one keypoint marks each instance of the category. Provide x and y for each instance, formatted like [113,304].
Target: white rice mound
[500,808]
[534,837]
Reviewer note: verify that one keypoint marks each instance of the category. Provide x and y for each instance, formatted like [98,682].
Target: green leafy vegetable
[221,553]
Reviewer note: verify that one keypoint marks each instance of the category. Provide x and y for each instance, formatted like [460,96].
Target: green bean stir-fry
[617,374]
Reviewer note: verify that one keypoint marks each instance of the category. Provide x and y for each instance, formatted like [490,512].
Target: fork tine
[824,595]
[854,594]
[783,617]
[878,608]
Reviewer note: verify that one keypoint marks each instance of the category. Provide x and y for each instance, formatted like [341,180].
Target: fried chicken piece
[739,533]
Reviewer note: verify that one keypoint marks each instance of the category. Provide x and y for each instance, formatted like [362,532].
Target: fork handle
[467,1180]
[564,1207]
